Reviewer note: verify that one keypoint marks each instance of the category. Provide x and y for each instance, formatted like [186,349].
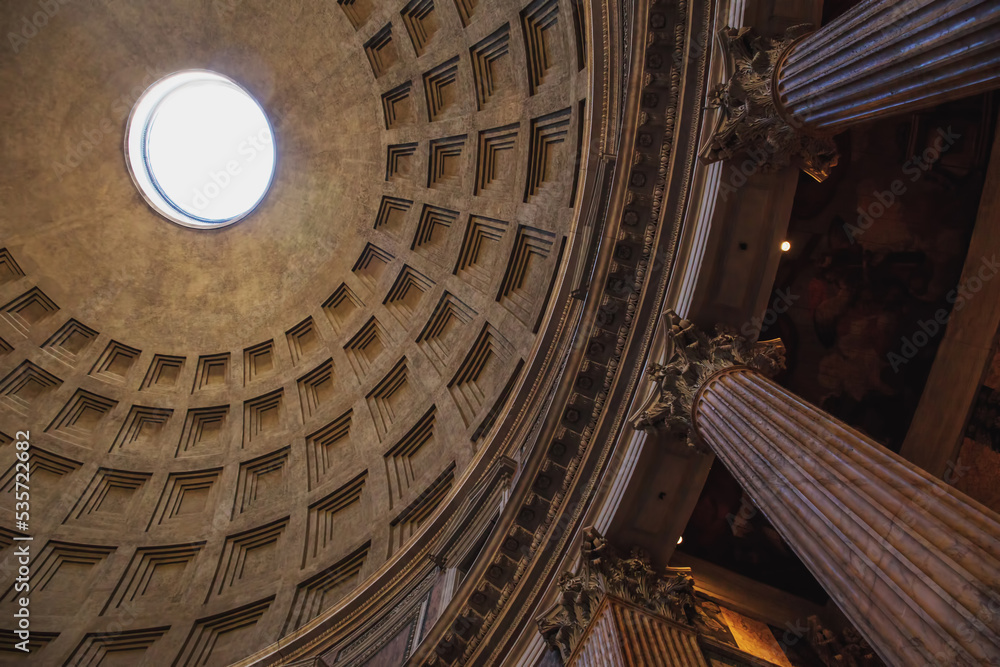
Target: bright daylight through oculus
[200,149]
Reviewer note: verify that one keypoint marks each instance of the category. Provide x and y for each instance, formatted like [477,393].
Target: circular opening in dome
[200,149]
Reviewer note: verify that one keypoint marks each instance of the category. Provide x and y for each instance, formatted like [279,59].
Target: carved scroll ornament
[751,122]
[692,356]
[668,593]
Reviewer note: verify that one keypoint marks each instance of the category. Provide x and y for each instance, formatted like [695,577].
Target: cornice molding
[634,262]
[603,573]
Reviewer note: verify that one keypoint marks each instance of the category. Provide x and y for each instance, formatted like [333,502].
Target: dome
[223,415]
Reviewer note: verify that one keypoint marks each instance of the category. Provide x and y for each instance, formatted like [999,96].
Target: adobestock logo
[930,328]
[757,158]
[30,27]
[227,8]
[249,148]
[782,302]
[915,168]
[108,128]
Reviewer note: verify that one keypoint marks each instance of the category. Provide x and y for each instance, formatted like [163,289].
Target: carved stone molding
[669,594]
[563,474]
[751,122]
[692,356]
[408,611]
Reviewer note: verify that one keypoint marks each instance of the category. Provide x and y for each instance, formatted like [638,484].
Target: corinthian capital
[668,593]
[751,122]
[692,356]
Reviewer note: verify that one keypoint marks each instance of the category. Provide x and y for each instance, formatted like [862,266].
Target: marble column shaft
[889,57]
[620,635]
[913,563]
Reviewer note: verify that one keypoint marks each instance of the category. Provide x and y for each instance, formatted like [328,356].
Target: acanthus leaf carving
[692,356]
[751,122]
[668,593]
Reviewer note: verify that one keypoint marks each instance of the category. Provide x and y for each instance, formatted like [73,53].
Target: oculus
[200,149]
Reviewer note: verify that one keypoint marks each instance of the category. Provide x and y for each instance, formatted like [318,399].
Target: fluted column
[785,97]
[887,57]
[622,612]
[623,635]
[913,563]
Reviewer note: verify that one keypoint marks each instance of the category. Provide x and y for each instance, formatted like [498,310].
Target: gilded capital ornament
[668,593]
[692,356]
[752,122]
